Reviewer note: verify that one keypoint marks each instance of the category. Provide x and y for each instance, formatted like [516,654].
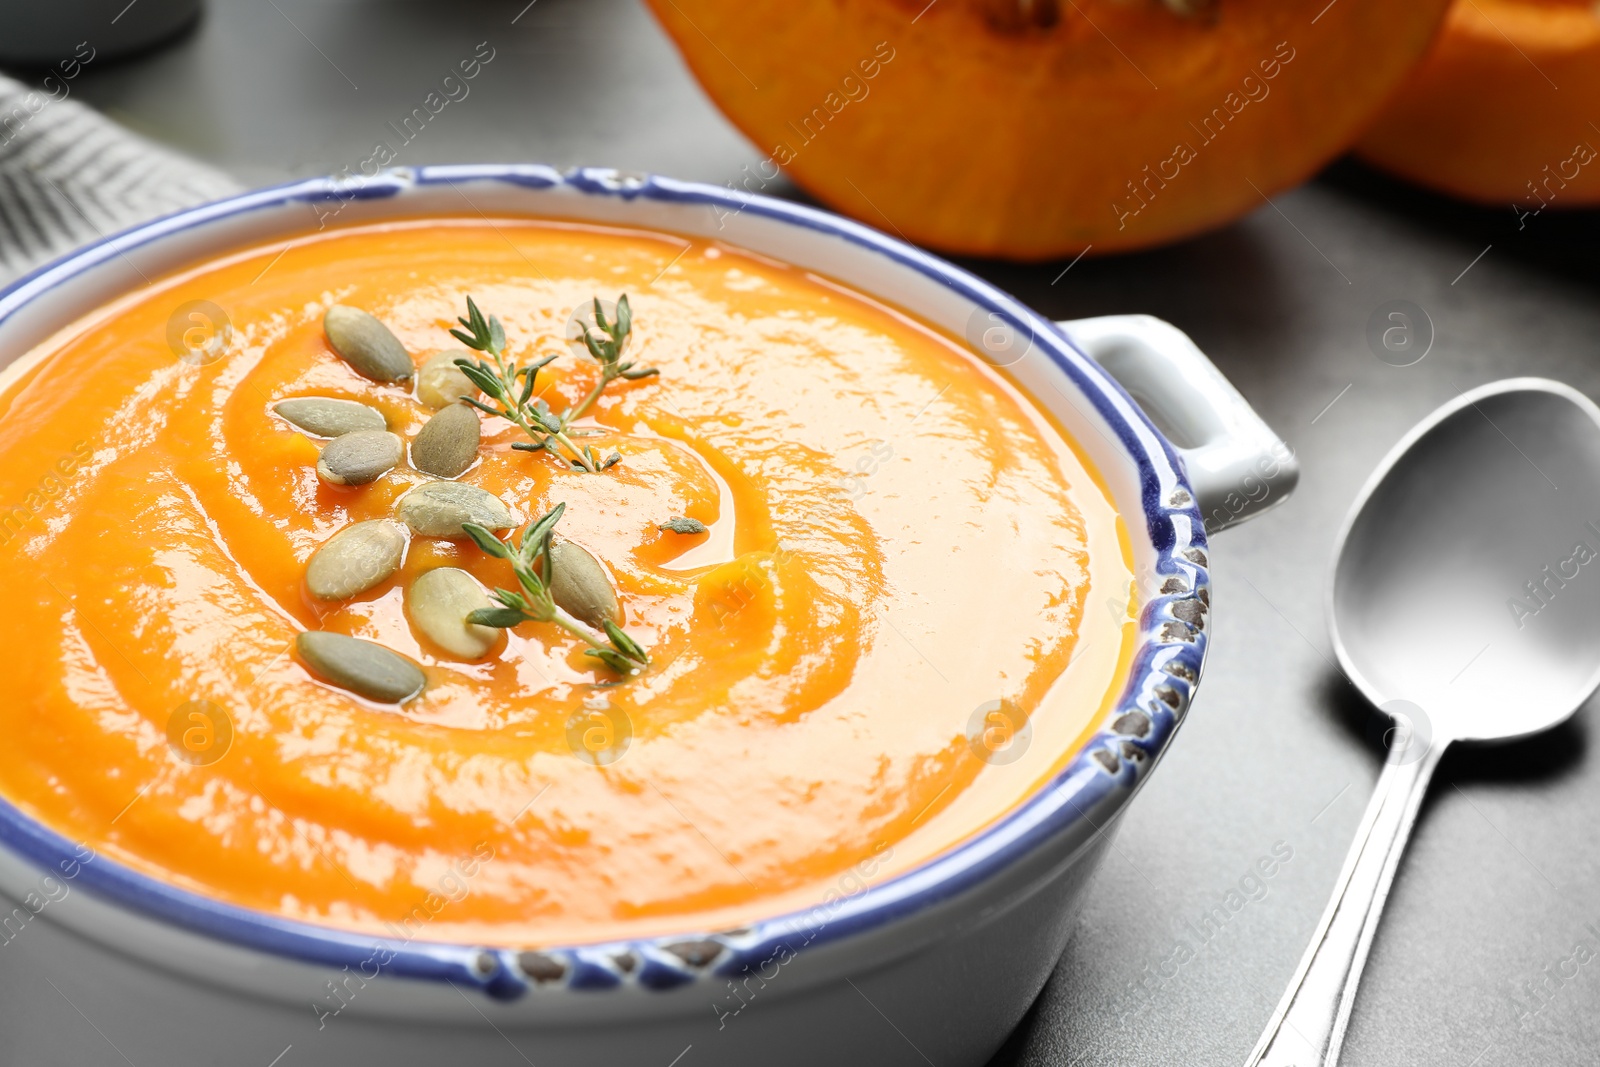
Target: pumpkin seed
[355,559]
[360,457]
[580,585]
[448,443]
[323,416]
[440,382]
[437,509]
[439,602]
[362,667]
[367,345]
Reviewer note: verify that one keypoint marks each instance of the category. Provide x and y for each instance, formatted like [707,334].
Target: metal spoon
[1466,605]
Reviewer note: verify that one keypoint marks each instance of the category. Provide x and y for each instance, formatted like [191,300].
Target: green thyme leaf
[624,319]
[504,618]
[625,644]
[595,346]
[545,524]
[613,659]
[680,525]
[486,540]
[481,406]
[515,601]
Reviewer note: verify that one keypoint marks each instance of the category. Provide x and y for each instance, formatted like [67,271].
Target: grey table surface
[1478,959]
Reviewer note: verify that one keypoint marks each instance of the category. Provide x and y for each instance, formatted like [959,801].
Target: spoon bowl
[1467,579]
[1465,604]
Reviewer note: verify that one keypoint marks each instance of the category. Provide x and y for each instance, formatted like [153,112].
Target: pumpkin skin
[1482,117]
[1031,129]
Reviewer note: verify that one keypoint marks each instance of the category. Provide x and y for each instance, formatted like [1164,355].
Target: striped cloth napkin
[69,175]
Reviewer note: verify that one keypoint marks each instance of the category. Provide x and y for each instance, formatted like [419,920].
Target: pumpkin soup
[624,583]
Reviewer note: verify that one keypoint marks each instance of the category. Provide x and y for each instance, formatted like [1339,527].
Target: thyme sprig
[535,603]
[512,387]
[605,341]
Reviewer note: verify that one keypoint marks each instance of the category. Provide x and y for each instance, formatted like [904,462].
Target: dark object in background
[34,34]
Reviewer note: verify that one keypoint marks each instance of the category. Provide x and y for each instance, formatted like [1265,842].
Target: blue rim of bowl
[1163,673]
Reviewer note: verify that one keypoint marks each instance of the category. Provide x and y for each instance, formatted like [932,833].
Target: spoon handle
[1308,1026]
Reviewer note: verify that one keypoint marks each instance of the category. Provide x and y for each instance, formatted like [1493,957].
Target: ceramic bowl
[99,963]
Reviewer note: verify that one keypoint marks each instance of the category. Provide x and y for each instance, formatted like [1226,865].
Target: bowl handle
[1237,465]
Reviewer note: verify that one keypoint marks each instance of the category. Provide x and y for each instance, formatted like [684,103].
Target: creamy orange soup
[898,543]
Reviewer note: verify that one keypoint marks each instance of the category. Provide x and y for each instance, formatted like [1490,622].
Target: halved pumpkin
[1504,109]
[1038,128]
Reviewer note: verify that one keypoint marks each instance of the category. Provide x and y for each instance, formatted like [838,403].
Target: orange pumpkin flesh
[1503,109]
[1028,129]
